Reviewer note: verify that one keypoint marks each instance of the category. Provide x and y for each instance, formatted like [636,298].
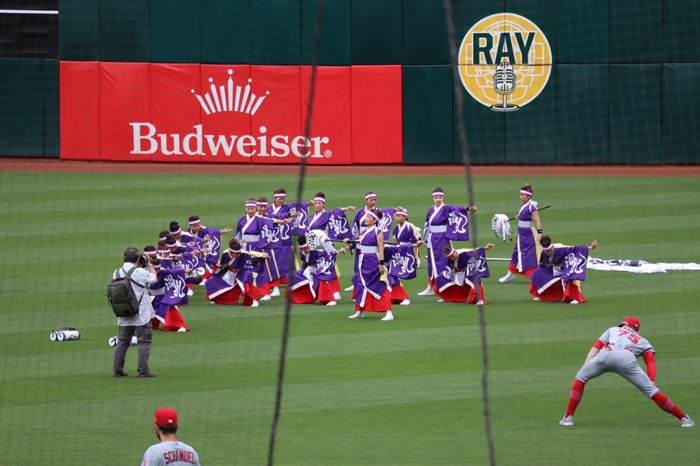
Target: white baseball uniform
[170,453]
[622,347]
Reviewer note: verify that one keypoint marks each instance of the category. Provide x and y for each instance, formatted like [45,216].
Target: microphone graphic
[504,85]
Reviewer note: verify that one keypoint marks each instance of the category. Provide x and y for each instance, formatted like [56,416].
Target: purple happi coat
[213,244]
[280,250]
[442,225]
[566,264]
[254,234]
[470,268]
[525,252]
[233,272]
[316,266]
[405,234]
[169,290]
[401,263]
[368,279]
[300,223]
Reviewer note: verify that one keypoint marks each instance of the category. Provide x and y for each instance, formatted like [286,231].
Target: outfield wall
[135,83]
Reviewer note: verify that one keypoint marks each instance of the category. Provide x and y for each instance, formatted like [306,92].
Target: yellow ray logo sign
[505,61]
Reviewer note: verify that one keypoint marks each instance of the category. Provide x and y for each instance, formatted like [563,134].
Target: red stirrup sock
[667,405]
[575,397]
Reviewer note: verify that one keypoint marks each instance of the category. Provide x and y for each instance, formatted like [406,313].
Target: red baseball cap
[166,417]
[632,322]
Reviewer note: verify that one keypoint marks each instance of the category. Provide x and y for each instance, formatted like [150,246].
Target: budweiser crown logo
[226,100]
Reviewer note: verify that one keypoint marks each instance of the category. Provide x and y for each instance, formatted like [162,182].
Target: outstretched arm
[651,365]
[594,351]
[593,245]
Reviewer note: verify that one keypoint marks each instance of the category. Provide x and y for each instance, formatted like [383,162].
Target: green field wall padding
[621,86]
[427,114]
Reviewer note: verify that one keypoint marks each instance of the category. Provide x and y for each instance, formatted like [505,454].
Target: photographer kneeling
[141,277]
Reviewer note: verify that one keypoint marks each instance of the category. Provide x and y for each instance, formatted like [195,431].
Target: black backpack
[121,296]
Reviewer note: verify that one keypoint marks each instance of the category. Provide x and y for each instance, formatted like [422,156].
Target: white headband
[373,215]
[370,196]
[234,251]
[527,193]
[438,193]
[281,195]
[151,253]
[163,251]
[251,204]
[319,199]
[262,204]
[176,232]
[195,222]
[171,245]
[451,252]
[401,212]
[548,247]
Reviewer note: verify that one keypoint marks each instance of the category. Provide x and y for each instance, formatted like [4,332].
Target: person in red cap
[617,351]
[169,451]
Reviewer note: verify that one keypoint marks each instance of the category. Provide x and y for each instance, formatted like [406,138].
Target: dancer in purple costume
[436,238]
[282,251]
[526,253]
[373,293]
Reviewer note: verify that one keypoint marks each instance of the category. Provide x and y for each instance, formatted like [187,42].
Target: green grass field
[406,392]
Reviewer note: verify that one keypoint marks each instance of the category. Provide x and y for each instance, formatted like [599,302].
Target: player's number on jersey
[631,337]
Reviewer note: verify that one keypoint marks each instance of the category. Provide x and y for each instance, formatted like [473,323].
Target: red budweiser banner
[229,113]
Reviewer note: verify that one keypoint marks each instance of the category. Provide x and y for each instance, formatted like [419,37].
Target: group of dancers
[260,258]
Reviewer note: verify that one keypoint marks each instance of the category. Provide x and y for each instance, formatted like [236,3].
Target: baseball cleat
[567,421]
[686,422]
[427,292]
[358,315]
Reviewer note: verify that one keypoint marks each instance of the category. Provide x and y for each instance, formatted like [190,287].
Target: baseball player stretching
[617,351]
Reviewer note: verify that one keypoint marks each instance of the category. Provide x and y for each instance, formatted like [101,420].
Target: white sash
[245,227]
[523,206]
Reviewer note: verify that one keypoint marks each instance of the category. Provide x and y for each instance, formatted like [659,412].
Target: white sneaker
[508,278]
[350,288]
[537,299]
[358,315]
[189,292]
[389,316]
[441,300]
[686,422]
[337,296]
[255,304]
[480,302]
[275,291]
[427,292]
[267,297]
[567,421]
[405,302]
[182,329]
[331,303]
[574,302]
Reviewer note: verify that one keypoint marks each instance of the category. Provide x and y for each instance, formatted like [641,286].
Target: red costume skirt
[556,293]
[461,294]
[373,304]
[232,296]
[398,294]
[513,269]
[324,293]
[173,321]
